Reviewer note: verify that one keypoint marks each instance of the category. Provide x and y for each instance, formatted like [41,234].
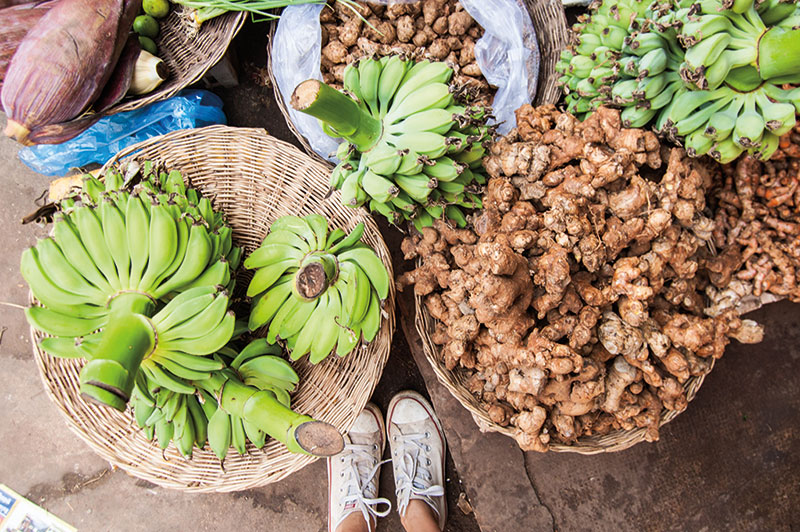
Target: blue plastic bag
[188,109]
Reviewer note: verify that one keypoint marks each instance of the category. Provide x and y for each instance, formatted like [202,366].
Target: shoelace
[412,476]
[361,455]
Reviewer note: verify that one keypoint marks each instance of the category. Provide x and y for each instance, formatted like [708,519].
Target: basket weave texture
[549,22]
[455,381]
[187,54]
[254,179]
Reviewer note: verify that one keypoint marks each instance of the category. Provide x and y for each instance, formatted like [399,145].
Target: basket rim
[128,445]
[615,441]
[551,36]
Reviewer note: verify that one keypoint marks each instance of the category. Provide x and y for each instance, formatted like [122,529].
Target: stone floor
[730,462]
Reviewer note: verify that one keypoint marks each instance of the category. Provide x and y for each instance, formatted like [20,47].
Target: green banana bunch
[318,290]
[706,73]
[404,135]
[116,256]
[194,416]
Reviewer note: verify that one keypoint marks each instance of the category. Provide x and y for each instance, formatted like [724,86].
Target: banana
[431,96]
[421,75]
[382,159]
[271,253]
[768,145]
[194,262]
[63,347]
[372,266]
[352,193]
[267,276]
[188,434]
[91,233]
[721,123]
[650,87]
[165,379]
[76,254]
[256,348]
[62,274]
[418,186]
[285,310]
[411,163]
[209,343]
[700,118]
[310,328]
[349,240]
[319,224]
[219,433]
[369,71]
[356,297]
[378,187]
[116,239]
[53,296]
[164,433]
[456,215]
[270,368]
[328,331]
[298,226]
[257,437]
[707,51]
[238,437]
[587,43]
[200,324]
[664,97]
[405,204]
[184,306]
[295,321]
[434,120]
[352,83]
[163,246]
[652,63]
[779,117]
[284,237]
[266,305]
[580,66]
[372,322]
[58,324]
[703,27]
[192,362]
[725,151]
[137,229]
[697,143]
[179,370]
[643,43]
[689,102]
[445,169]
[391,76]
[183,226]
[334,237]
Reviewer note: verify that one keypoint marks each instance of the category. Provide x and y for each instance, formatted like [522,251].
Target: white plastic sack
[507,54]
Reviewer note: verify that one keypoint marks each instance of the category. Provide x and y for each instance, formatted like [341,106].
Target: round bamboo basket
[455,382]
[254,179]
[550,24]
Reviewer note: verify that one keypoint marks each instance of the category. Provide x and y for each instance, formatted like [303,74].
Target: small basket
[549,22]
[254,179]
[455,382]
[187,56]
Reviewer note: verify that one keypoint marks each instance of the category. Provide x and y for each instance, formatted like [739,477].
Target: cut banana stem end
[314,276]
[338,111]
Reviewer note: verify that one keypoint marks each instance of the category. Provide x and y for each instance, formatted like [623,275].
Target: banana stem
[779,53]
[315,275]
[338,111]
[128,336]
[300,433]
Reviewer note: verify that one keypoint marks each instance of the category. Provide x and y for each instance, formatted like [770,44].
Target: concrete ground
[730,462]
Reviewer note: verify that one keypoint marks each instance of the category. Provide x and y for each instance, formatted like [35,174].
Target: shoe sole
[411,394]
[376,412]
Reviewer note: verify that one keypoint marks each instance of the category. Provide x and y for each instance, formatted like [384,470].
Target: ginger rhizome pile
[575,302]
[757,214]
[437,30]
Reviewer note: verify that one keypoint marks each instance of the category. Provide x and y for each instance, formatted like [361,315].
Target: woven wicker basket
[455,381]
[254,179]
[187,56]
[550,24]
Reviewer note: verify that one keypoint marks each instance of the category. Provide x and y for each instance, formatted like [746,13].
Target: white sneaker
[353,474]
[417,442]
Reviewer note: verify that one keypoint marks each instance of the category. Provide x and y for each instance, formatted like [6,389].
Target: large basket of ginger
[573,313]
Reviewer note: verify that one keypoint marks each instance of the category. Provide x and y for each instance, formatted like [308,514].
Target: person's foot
[353,474]
[417,443]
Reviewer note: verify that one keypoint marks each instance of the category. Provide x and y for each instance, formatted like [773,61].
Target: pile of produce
[136,279]
[437,30]
[706,73]
[575,301]
[318,290]
[757,236]
[236,397]
[146,24]
[74,63]
[409,150]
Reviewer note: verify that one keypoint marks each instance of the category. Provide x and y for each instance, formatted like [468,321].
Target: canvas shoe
[417,443]
[353,474]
